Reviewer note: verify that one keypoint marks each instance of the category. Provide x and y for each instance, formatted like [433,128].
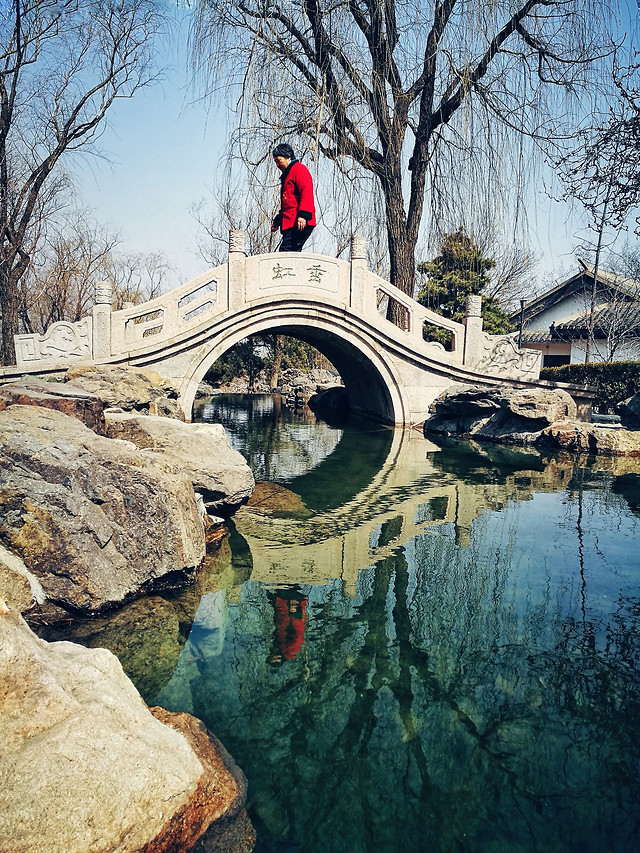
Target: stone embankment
[530,417]
[102,501]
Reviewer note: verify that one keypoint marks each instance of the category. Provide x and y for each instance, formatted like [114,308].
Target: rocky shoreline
[106,495]
[99,505]
[295,387]
[528,418]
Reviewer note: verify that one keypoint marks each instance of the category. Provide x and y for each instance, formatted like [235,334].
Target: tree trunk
[402,255]
[278,343]
[9,304]
[402,262]
[594,296]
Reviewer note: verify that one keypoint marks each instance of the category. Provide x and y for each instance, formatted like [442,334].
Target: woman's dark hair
[283,150]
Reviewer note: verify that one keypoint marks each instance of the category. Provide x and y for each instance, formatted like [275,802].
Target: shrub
[614,381]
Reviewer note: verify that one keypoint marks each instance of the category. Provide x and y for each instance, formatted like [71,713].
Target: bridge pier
[101,317]
[473,340]
[358,274]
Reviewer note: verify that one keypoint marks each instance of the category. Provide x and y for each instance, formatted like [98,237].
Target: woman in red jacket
[297,217]
[290,617]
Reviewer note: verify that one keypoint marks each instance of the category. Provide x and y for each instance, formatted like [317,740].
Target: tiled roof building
[557,321]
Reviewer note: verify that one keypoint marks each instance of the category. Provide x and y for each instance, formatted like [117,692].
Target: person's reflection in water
[289,616]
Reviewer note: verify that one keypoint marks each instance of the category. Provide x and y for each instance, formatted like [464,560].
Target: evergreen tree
[459,270]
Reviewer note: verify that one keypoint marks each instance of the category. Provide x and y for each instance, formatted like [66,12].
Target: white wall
[558,313]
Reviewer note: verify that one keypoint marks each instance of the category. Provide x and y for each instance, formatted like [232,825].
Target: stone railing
[284,279]
[496,354]
[414,317]
[171,314]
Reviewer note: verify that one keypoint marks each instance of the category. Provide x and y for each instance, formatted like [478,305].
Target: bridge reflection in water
[464,672]
[403,497]
[409,493]
[474,689]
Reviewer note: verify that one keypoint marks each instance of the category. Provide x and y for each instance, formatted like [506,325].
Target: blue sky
[162,152]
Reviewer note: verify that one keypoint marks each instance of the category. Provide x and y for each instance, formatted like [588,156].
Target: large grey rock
[96,521]
[61,396]
[629,412]
[201,451]
[500,413]
[129,388]
[297,387]
[591,439]
[307,379]
[205,389]
[330,403]
[86,766]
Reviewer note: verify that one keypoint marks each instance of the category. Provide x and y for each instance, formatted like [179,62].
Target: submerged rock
[95,521]
[201,451]
[274,499]
[86,766]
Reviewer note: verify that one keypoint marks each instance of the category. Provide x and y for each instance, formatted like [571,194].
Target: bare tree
[63,63]
[626,263]
[248,205]
[425,97]
[601,172]
[513,275]
[619,318]
[136,277]
[60,281]
[590,179]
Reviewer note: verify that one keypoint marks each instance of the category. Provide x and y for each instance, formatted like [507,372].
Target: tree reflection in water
[468,675]
[478,690]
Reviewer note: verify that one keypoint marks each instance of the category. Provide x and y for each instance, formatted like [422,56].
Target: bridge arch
[368,376]
[391,374]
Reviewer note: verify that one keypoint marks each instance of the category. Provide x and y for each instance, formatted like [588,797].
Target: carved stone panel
[316,273]
[502,357]
[61,342]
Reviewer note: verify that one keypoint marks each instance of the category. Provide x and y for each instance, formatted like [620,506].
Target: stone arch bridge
[390,373]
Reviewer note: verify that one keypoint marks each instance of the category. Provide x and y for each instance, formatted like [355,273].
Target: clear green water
[461,669]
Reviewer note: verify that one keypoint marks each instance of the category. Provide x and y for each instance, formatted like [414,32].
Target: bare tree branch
[63,63]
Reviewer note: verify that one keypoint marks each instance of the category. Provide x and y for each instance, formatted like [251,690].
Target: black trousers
[293,240]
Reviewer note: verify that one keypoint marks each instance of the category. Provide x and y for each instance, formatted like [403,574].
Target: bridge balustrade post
[473,337]
[101,324]
[236,270]
[357,296]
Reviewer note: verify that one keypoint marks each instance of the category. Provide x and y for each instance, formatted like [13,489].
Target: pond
[410,646]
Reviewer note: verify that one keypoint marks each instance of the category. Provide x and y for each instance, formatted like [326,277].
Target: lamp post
[522,301]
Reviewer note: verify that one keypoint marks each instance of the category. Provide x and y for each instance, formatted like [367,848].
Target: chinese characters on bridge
[315,273]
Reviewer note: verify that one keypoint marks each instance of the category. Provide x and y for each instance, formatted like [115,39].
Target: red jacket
[289,628]
[296,196]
